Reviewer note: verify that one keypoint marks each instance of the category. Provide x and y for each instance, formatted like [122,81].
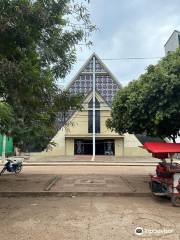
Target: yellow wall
[132,146]
[69,146]
[79,124]
[119,147]
[104,115]
[135,151]
[127,145]
[59,149]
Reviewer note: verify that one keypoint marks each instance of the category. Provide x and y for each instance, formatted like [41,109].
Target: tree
[66,104]
[38,41]
[151,104]
[6,118]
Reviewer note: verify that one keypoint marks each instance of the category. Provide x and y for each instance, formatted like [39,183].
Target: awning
[162,147]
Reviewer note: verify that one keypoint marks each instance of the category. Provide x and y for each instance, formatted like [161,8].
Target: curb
[74,194]
[85,164]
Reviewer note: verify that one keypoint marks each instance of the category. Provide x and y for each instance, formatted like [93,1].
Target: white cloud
[136,28]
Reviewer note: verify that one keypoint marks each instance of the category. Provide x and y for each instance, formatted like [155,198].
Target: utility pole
[4,148]
[94,111]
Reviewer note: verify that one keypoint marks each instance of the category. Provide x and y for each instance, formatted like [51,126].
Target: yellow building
[75,138]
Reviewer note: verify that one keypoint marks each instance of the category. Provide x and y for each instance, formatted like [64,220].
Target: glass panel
[97,104]
[103,147]
[109,147]
[97,124]
[90,121]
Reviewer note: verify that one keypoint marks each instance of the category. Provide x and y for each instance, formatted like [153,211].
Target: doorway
[85,147]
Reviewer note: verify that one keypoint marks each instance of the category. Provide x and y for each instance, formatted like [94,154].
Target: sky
[134,28]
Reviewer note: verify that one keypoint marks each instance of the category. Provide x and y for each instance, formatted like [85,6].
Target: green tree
[151,104]
[6,118]
[65,105]
[38,40]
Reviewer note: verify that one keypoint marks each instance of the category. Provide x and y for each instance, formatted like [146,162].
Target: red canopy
[162,147]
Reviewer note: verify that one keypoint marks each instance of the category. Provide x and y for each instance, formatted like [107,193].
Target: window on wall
[90,121]
[97,117]
[97,121]
[97,104]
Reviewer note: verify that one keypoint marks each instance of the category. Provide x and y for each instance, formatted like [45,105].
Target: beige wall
[135,151]
[59,149]
[132,146]
[104,115]
[69,147]
[79,122]
[128,145]
[78,125]
[119,147]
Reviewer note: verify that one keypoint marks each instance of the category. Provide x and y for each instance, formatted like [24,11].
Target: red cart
[166,181]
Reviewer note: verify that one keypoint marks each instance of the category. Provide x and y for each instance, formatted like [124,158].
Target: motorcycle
[12,166]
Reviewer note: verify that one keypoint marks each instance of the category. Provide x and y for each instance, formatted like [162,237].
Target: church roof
[106,83]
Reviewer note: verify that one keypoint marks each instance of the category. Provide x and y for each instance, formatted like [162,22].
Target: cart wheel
[18,169]
[175,201]
[151,188]
[3,170]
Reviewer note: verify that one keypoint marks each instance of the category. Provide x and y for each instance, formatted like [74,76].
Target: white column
[94,111]
[4,148]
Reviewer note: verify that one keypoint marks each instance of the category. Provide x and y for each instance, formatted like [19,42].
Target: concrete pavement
[92,163]
[87,159]
[126,204]
[88,218]
[40,160]
[77,180]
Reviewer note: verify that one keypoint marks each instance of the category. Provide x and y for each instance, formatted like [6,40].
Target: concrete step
[70,163]
[74,194]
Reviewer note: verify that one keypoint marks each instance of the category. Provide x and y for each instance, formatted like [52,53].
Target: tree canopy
[38,40]
[6,118]
[151,104]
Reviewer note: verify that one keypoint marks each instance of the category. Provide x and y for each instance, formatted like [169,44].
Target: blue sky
[135,28]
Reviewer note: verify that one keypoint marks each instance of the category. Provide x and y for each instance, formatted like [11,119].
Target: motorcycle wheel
[18,169]
[175,201]
[2,171]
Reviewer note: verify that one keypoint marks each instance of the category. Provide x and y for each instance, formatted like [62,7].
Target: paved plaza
[77,180]
[88,218]
[75,184]
[84,203]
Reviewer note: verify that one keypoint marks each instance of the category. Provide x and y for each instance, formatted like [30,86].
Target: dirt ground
[88,218]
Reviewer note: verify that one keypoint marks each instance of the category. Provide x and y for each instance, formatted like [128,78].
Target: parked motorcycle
[13,166]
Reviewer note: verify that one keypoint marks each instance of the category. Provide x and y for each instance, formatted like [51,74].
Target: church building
[75,138]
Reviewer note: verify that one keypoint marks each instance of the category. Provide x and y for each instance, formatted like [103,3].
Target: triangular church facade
[76,137]
[106,83]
